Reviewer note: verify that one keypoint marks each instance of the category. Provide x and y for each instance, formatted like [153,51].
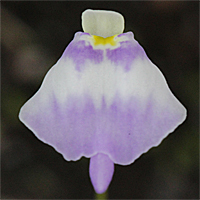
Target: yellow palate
[100,40]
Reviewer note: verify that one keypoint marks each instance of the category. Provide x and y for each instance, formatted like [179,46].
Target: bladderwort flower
[104,99]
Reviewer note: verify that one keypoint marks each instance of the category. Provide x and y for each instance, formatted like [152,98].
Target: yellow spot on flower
[101,40]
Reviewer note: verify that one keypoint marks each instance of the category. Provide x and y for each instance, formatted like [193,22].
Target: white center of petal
[102,23]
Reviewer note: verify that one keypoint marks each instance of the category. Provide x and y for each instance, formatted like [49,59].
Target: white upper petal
[102,23]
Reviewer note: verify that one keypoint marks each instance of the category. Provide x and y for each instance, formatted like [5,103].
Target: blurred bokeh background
[33,37]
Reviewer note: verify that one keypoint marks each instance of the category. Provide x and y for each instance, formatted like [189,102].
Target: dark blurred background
[33,37]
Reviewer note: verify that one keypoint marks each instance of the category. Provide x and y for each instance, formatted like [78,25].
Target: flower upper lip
[102,23]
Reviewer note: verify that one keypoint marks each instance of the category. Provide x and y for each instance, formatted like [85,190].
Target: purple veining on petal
[80,52]
[122,132]
[125,54]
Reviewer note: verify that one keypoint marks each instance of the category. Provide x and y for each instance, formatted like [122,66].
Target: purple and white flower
[104,99]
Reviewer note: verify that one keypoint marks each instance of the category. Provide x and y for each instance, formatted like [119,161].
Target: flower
[104,99]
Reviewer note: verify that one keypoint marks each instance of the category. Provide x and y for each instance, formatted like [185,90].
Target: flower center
[103,41]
